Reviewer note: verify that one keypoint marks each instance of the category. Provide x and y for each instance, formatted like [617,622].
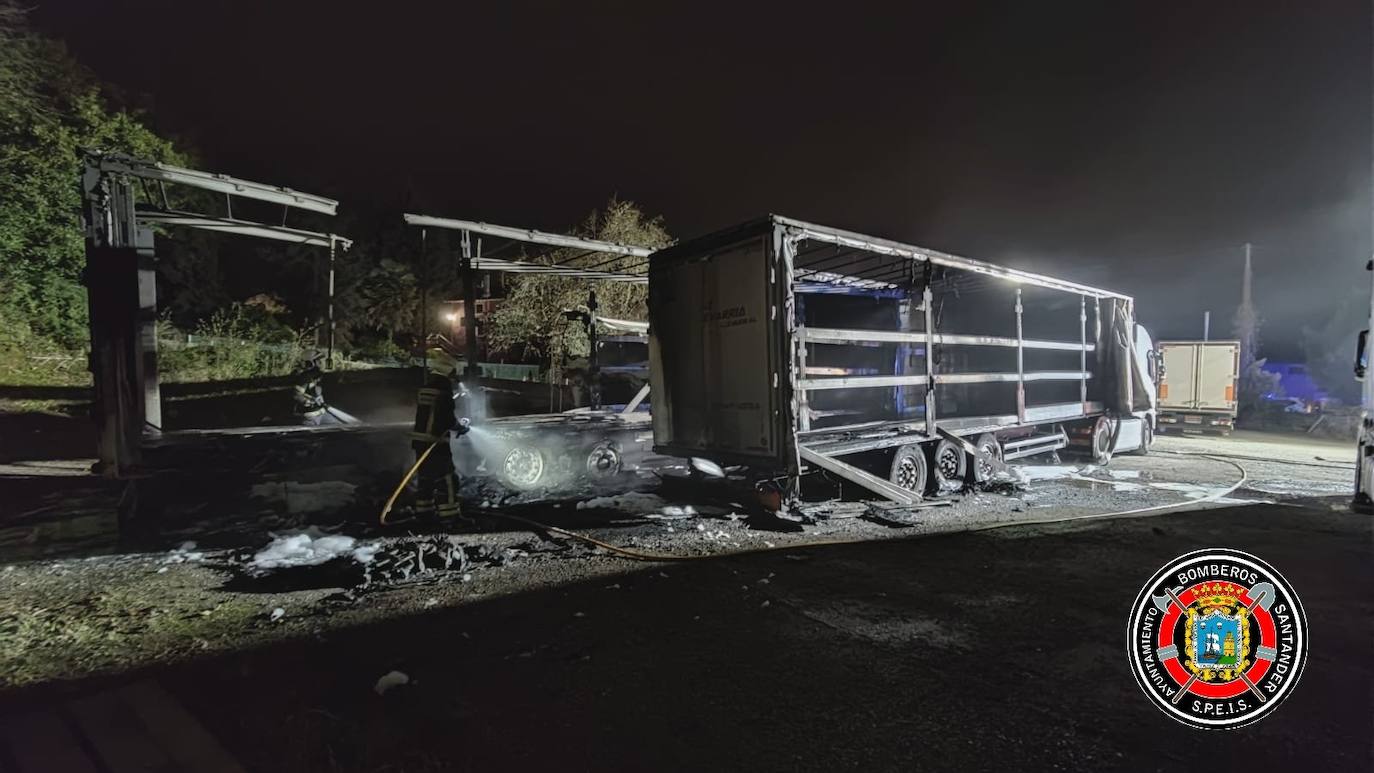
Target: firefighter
[436,415]
[309,395]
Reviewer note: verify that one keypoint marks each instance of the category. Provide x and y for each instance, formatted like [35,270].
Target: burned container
[788,347]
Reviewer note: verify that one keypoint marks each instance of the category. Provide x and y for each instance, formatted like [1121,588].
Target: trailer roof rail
[865,262]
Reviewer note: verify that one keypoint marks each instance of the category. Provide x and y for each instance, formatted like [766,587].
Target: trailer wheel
[987,447]
[1102,441]
[949,464]
[909,469]
[603,461]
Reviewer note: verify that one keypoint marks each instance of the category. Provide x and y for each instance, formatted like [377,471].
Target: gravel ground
[73,618]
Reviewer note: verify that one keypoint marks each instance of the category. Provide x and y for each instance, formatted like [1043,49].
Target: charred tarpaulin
[785,345]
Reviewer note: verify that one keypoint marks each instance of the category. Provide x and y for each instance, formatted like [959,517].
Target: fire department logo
[1217,638]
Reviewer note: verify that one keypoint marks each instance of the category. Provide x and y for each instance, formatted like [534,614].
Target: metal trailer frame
[122,282]
[874,265]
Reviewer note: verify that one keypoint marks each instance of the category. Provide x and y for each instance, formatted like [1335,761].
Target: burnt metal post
[120,278]
[472,371]
[1020,363]
[1083,351]
[329,358]
[593,354]
[927,306]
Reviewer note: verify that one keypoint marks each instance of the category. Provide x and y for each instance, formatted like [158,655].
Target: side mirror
[1362,355]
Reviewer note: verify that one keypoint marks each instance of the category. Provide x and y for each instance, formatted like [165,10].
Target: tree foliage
[50,110]
[531,319]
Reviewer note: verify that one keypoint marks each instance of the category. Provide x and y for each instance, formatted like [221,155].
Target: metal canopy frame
[472,261]
[124,315]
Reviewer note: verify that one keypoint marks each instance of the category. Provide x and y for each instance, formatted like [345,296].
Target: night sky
[1131,145]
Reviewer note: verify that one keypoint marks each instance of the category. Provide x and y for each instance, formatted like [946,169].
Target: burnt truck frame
[752,363]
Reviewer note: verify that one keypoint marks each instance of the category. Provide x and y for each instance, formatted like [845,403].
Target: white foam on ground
[632,502]
[1190,490]
[1027,473]
[310,548]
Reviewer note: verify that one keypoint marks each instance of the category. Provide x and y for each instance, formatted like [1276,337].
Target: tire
[1147,439]
[1102,441]
[949,463]
[524,467]
[909,469]
[987,445]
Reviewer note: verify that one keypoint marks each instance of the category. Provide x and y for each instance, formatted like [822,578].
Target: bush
[29,359]
[234,343]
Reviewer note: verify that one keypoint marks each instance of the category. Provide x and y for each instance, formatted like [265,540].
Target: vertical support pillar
[803,397]
[787,364]
[121,295]
[147,333]
[1083,352]
[1020,364]
[1097,336]
[593,355]
[116,364]
[927,306]
[329,348]
[424,304]
[473,372]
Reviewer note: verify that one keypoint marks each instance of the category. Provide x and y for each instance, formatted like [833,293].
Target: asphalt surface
[987,651]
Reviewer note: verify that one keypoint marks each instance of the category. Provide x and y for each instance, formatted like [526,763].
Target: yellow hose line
[401,486]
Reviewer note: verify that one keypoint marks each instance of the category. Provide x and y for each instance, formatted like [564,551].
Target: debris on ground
[389,680]
[276,615]
[414,557]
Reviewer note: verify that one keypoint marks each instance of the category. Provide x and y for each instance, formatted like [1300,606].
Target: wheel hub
[948,462]
[907,474]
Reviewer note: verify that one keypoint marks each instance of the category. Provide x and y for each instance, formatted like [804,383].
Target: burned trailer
[788,348]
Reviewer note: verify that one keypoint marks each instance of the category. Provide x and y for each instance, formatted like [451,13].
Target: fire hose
[386,509]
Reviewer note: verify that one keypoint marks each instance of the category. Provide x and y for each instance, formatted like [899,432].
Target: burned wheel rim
[909,469]
[523,467]
[603,462]
[988,448]
[949,463]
